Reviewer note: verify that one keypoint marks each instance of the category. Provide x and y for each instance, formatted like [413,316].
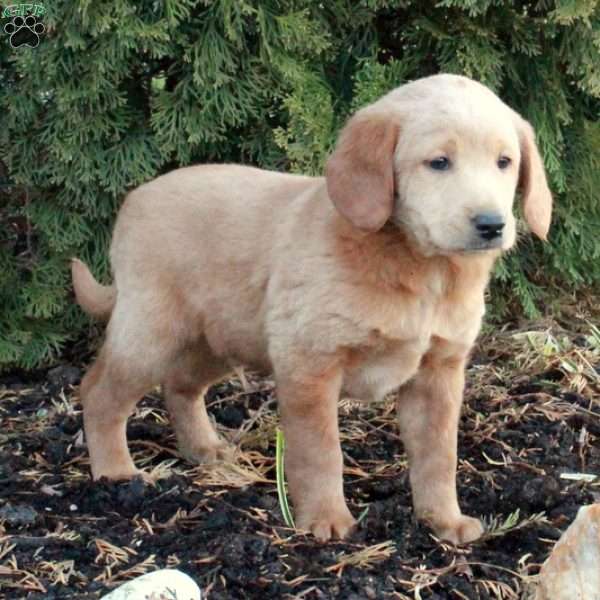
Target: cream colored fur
[367,281]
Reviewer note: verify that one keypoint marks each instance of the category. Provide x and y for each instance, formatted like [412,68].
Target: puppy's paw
[120,473]
[218,451]
[333,522]
[462,531]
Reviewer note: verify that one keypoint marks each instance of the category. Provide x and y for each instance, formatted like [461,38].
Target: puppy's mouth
[475,247]
[483,246]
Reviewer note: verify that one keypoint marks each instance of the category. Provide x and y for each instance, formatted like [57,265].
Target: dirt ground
[531,417]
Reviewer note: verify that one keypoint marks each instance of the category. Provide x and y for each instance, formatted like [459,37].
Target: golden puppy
[366,281]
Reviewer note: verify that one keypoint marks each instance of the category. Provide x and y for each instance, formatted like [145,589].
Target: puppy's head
[442,158]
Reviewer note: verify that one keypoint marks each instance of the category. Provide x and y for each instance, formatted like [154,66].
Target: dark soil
[527,420]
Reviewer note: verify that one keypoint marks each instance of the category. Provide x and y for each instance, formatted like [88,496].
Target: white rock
[572,572]
[166,584]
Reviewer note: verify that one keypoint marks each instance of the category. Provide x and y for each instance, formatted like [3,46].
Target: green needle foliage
[119,91]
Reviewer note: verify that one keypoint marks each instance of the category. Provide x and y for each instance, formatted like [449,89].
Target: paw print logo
[24,31]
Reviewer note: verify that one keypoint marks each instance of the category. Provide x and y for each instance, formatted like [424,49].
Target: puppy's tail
[97,300]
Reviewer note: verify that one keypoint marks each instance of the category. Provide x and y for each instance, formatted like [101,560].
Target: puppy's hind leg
[195,369]
[109,397]
[131,362]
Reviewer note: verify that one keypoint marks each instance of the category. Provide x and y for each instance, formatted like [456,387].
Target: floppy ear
[360,172]
[537,199]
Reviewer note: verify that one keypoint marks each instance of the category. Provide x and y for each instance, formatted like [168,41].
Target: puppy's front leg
[313,456]
[428,411]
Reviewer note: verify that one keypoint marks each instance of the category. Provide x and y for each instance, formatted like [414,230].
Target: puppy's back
[216,212]
[200,239]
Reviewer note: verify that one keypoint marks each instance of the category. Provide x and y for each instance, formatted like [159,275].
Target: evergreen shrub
[119,91]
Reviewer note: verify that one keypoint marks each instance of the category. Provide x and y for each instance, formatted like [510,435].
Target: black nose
[489,225]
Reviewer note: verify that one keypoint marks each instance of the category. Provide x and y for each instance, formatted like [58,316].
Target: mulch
[530,428]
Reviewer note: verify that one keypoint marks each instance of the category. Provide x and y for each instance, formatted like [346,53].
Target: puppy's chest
[398,346]
[374,372]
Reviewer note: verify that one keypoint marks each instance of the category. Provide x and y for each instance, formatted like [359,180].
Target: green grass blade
[280,476]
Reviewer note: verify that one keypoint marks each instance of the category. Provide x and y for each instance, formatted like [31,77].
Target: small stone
[541,493]
[231,416]
[166,584]
[18,515]
[60,377]
[267,502]
[573,569]
[131,494]
[383,489]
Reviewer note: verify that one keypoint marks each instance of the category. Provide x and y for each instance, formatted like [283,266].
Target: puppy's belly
[378,376]
[238,349]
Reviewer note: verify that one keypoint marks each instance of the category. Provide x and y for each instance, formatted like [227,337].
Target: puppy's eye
[441,163]
[504,162]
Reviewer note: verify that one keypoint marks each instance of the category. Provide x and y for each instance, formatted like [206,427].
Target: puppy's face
[456,172]
[441,158]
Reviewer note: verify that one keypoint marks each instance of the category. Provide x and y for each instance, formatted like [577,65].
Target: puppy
[367,281]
